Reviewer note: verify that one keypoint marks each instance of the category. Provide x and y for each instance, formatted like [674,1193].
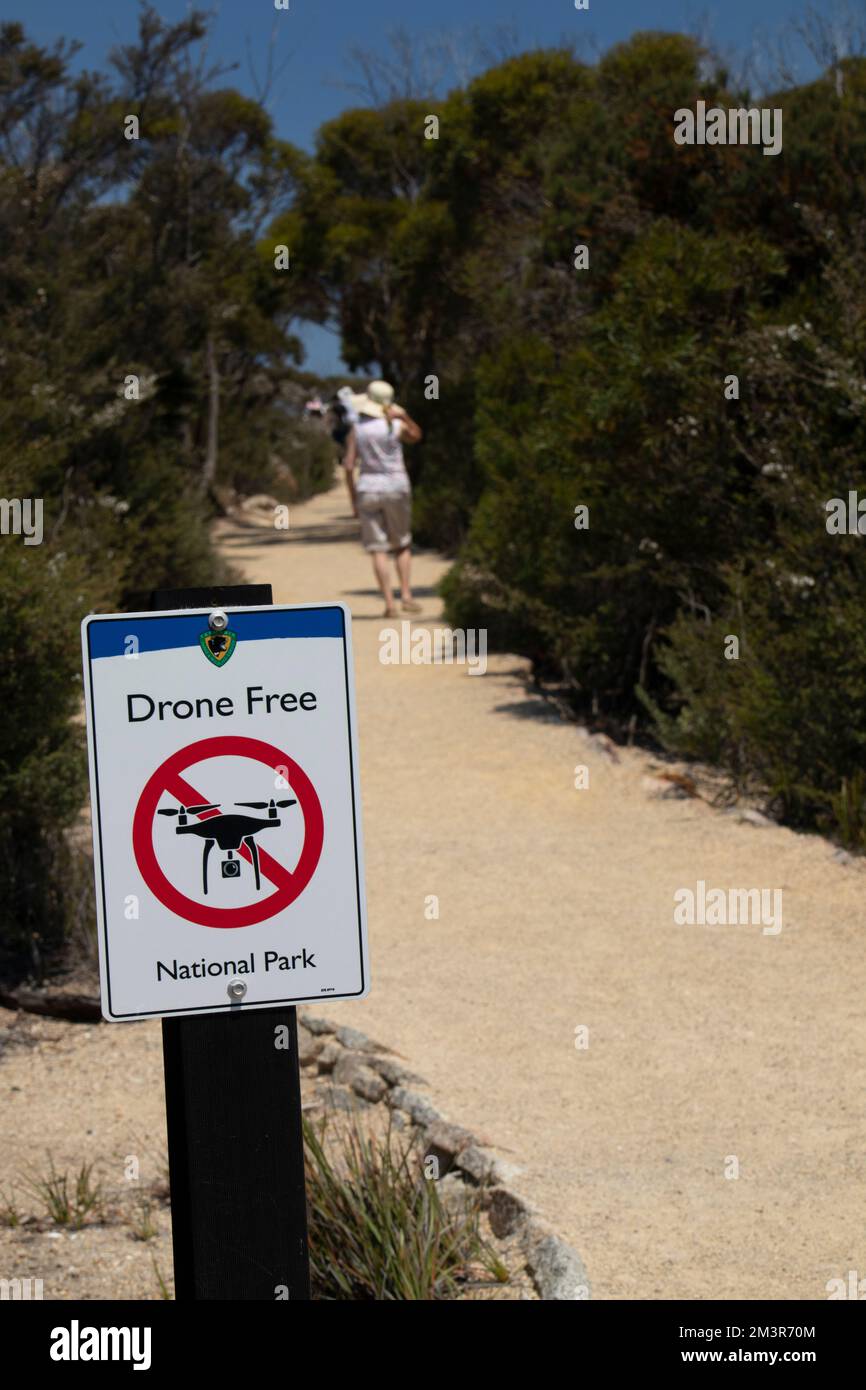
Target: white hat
[378,395]
[347,399]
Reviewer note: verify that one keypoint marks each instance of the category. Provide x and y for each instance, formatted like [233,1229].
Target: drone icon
[229,830]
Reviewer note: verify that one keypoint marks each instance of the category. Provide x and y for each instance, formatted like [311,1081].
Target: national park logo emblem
[218,646]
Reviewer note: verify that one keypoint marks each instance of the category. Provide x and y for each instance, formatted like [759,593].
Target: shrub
[42,761]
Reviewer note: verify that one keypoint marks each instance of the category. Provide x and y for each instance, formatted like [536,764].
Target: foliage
[68,1199]
[149,370]
[607,388]
[144,353]
[378,1227]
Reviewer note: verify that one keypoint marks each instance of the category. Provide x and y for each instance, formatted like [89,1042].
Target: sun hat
[373,401]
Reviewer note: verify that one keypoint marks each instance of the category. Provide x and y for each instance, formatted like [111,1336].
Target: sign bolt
[218,620]
[237,989]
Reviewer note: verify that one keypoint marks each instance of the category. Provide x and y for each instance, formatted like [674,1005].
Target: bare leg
[383,577]
[403,560]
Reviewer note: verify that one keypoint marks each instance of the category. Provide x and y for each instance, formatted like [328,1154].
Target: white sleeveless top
[380,456]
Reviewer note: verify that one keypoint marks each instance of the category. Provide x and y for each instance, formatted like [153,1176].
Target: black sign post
[233,1109]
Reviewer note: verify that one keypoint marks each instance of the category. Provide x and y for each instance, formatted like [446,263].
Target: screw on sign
[231,832]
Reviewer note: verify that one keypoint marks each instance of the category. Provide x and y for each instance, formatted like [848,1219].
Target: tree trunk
[213,415]
[76,1008]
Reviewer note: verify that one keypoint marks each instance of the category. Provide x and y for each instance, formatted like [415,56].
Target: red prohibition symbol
[169,778]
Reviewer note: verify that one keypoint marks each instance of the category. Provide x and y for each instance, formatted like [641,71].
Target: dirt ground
[709,1050]
[75,1094]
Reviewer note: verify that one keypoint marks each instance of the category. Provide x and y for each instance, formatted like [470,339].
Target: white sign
[226,817]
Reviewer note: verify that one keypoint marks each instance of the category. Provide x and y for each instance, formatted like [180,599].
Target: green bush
[42,762]
[783,719]
[606,387]
[145,349]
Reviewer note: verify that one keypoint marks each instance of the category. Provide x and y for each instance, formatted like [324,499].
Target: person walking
[343,417]
[379,488]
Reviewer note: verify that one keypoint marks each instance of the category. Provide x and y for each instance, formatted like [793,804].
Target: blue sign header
[160,633]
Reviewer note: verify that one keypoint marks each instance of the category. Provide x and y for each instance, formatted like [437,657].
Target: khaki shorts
[386,520]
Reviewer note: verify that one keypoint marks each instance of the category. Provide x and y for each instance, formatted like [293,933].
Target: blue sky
[314,40]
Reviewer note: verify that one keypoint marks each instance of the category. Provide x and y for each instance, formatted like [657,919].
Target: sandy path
[556,910]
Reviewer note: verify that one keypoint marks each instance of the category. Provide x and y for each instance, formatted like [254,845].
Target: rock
[347,1067]
[309,1047]
[744,815]
[843,857]
[664,789]
[452,1192]
[330,1055]
[337,1098]
[350,1037]
[670,786]
[477,1163]
[351,1069]
[394,1074]
[318,1025]
[446,1139]
[259,502]
[753,818]
[505,1211]
[369,1084]
[557,1270]
[505,1173]
[416,1107]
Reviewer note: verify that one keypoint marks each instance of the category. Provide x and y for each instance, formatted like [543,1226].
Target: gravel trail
[711,1049]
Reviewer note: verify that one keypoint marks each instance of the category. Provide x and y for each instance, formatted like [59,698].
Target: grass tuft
[10,1216]
[68,1201]
[164,1291]
[379,1229]
[142,1225]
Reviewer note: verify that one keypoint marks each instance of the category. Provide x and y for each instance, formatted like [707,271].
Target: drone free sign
[226,819]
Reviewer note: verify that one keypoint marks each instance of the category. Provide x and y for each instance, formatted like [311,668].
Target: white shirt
[380,456]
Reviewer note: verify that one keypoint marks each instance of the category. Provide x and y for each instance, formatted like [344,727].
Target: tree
[142,330]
